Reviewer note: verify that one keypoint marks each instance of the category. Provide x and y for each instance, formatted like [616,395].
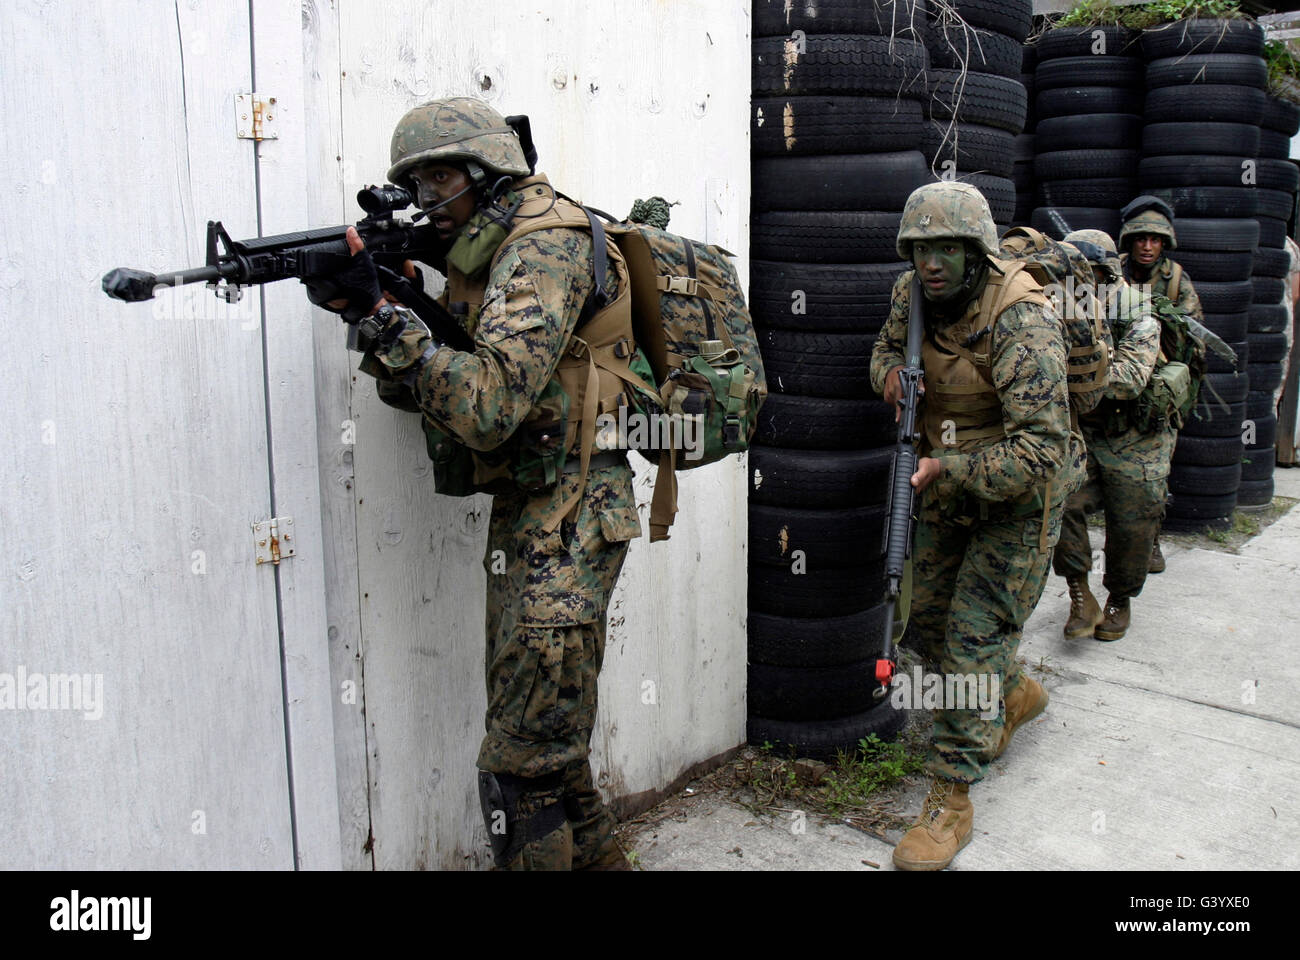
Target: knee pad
[508,831]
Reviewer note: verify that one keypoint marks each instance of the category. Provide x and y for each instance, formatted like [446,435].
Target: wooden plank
[287,331]
[627,99]
[323,165]
[136,443]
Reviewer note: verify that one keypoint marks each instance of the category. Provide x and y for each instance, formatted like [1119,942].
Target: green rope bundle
[653,212]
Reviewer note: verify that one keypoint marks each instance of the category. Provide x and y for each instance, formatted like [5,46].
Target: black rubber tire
[1101,192]
[824,740]
[1091,131]
[858,181]
[1229,202]
[828,592]
[811,693]
[1238,69]
[1216,235]
[1208,102]
[1188,171]
[1272,232]
[840,537]
[1267,347]
[1200,139]
[819,423]
[1205,481]
[779,18]
[792,126]
[1267,318]
[984,98]
[1265,433]
[1176,523]
[818,478]
[1268,289]
[1085,164]
[850,63]
[1213,362]
[1224,297]
[985,51]
[1206,451]
[1281,116]
[1277,175]
[1080,42]
[1221,267]
[1090,71]
[815,641]
[972,146]
[998,191]
[1075,218]
[1271,263]
[1025,149]
[1011,17]
[1255,493]
[1190,512]
[1072,101]
[1272,144]
[1259,405]
[1231,388]
[1258,464]
[850,297]
[1201,36]
[817,364]
[1211,420]
[1231,327]
[830,236]
[1274,203]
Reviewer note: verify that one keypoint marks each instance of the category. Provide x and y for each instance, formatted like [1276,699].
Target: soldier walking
[991,481]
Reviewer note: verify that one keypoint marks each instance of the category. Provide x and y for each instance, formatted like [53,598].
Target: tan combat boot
[943,828]
[1157,562]
[1026,702]
[1085,614]
[1115,624]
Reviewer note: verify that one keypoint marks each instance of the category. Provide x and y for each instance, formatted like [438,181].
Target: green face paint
[941,264]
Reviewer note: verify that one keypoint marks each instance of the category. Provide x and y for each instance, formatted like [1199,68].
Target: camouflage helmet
[1098,247]
[947,209]
[1148,214]
[456,129]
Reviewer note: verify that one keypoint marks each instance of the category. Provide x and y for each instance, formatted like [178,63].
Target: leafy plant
[1095,13]
[1283,70]
[876,765]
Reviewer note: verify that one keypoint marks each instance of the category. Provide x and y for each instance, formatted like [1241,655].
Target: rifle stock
[902,496]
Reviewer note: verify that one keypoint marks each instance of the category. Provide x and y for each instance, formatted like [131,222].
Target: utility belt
[968,509]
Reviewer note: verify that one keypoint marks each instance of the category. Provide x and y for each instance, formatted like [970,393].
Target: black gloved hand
[352,279]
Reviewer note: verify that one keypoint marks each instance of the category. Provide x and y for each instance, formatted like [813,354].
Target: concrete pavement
[1176,748]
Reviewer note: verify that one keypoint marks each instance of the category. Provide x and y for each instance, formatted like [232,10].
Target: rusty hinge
[255,117]
[273,539]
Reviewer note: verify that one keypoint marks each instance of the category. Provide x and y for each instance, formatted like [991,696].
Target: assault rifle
[306,254]
[898,532]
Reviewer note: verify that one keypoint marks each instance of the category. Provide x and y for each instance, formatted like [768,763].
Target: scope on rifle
[385,199]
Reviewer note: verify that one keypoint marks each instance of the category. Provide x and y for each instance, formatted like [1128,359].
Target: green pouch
[453,462]
[715,394]
[540,447]
[1166,398]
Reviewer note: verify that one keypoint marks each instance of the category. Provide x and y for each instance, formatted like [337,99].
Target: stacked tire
[1205,98]
[1266,330]
[1088,105]
[1022,171]
[837,116]
[977,103]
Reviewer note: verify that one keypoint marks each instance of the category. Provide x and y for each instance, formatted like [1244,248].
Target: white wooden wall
[145,438]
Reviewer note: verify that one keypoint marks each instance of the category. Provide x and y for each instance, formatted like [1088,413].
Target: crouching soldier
[1127,466]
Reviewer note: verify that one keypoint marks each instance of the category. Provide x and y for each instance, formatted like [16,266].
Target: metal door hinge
[273,539]
[255,117]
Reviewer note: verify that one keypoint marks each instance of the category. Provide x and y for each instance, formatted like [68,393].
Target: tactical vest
[588,381]
[961,404]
